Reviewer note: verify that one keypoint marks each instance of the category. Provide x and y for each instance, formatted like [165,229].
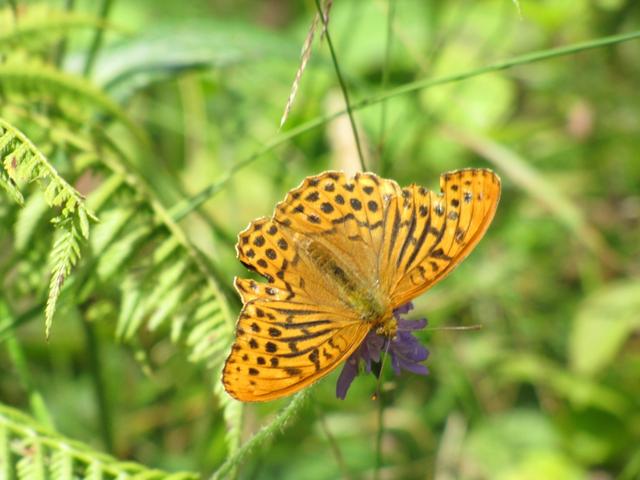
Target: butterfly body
[339,255]
[360,294]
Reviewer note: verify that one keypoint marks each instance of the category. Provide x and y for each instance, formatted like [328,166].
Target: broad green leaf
[162,51]
[581,392]
[602,325]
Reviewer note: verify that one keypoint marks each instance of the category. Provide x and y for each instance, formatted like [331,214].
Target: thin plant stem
[104,411]
[92,343]
[380,397]
[343,86]
[263,435]
[379,434]
[61,49]
[98,37]
[185,207]
[335,448]
[384,84]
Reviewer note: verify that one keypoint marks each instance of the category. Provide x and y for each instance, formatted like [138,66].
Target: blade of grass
[98,37]
[92,343]
[391,7]
[343,85]
[105,416]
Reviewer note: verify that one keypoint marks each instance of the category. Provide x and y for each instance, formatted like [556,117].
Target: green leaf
[62,463]
[9,186]
[163,51]
[602,325]
[64,256]
[31,465]
[23,160]
[581,392]
[84,222]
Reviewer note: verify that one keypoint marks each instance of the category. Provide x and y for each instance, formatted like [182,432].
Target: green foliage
[176,285]
[23,162]
[40,27]
[42,453]
[603,325]
[33,79]
[171,140]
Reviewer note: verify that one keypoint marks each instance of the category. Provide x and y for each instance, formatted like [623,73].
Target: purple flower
[405,350]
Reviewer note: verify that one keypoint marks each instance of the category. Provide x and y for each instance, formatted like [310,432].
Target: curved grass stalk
[184,208]
[263,435]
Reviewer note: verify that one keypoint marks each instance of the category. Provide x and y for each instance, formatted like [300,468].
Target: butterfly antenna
[376,394]
[457,327]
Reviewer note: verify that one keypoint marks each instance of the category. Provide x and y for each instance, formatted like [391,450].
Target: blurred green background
[548,388]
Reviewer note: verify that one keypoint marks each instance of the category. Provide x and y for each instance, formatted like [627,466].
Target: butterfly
[339,255]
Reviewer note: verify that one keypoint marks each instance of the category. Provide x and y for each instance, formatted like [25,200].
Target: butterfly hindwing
[281,347]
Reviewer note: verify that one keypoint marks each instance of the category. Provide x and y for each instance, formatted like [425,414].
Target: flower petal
[349,372]
[406,351]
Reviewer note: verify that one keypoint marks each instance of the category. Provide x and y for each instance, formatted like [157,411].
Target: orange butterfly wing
[442,229]
[338,254]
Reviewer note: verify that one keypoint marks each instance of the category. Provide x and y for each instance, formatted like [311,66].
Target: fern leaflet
[22,161]
[30,451]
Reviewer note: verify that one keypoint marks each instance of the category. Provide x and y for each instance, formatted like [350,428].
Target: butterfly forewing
[271,250]
[343,214]
[456,219]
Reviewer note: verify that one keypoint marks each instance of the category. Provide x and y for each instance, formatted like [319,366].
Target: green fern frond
[28,220]
[169,283]
[30,451]
[32,462]
[43,81]
[117,253]
[40,26]
[9,186]
[22,161]
[64,256]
